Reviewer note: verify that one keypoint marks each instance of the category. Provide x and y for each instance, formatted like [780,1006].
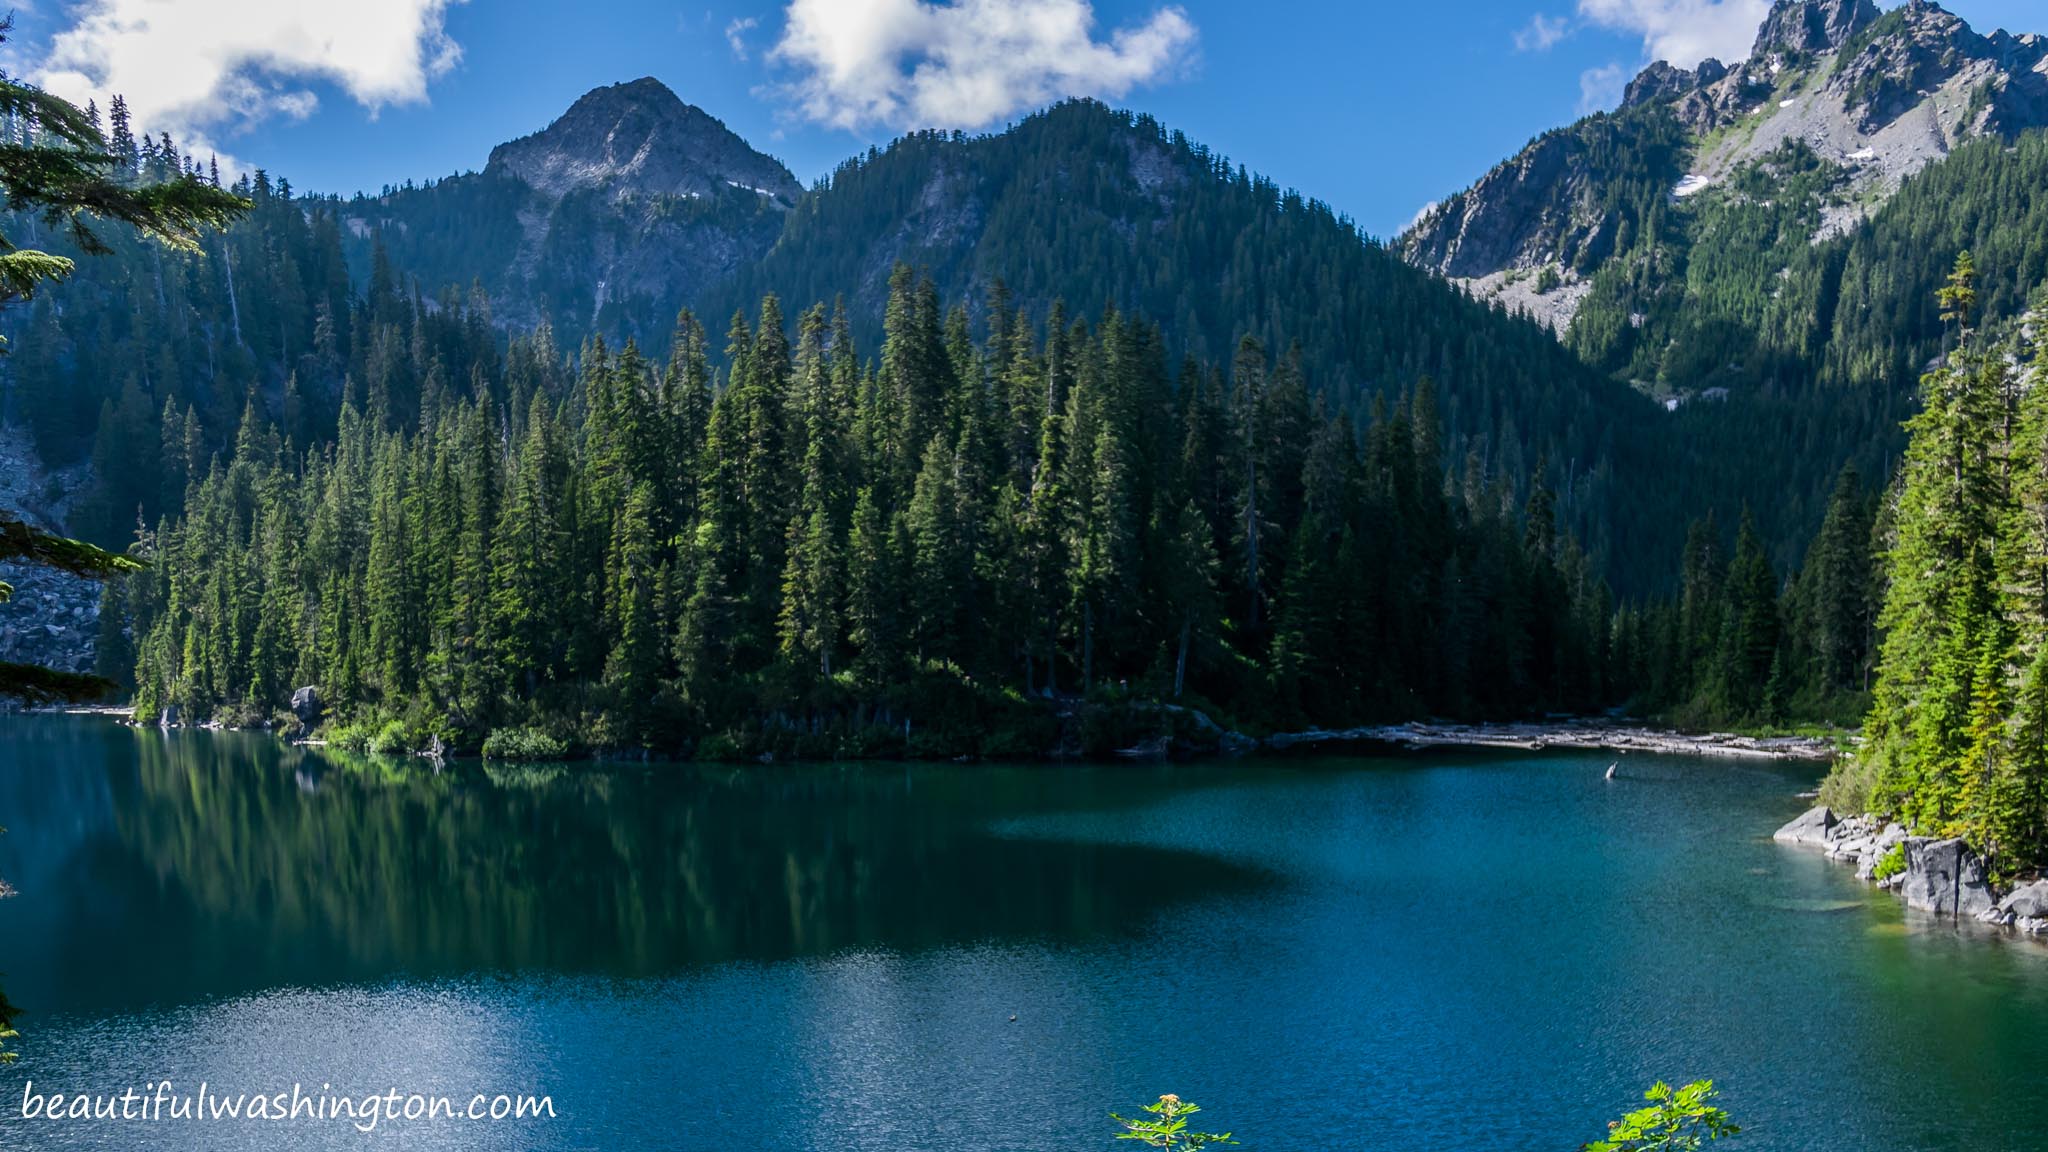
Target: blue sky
[1374,107]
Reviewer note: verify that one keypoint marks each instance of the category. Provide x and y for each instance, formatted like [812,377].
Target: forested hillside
[820,555]
[1760,245]
[1378,499]
[1142,221]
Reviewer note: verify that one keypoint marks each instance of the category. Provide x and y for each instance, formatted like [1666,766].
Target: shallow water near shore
[1450,950]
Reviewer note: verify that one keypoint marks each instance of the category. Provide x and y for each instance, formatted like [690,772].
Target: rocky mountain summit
[1878,95]
[1865,72]
[639,138]
[629,203]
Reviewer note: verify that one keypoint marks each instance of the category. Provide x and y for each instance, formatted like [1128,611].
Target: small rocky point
[1942,877]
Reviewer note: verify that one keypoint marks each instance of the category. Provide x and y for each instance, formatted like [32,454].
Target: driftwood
[1566,736]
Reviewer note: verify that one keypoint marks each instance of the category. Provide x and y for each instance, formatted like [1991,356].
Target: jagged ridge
[1881,95]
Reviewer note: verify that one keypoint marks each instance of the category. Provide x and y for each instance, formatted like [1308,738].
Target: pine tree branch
[38,686]
[19,541]
[66,172]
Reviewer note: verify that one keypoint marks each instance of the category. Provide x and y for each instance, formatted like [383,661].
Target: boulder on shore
[1974,896]
[2027,903]
[1946,878]
[306,706]
[1812,827]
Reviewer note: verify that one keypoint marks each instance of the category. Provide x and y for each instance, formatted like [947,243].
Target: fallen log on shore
[1588,736]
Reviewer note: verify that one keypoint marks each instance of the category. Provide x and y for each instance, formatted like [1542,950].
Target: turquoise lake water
[1449,951]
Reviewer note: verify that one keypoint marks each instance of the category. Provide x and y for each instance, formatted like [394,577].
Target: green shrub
[1890,864]
[7,1031]
[719,747]
[524,744]
[352,737]
[1852,784]
[875,742]
[239,716]
[391,740]
[938,744]
[1022,736]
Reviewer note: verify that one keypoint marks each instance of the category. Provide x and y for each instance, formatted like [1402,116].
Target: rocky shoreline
[1568,736]
[1942,877]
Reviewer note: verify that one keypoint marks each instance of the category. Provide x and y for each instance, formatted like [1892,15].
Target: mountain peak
[640,138]
[1808,27]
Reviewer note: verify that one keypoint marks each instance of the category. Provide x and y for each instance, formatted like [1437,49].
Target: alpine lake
[1449,950]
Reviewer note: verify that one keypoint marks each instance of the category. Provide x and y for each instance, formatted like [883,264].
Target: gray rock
[1851,828]
[2029,902]
[1929,881]
[1945,878]
[1974,896]
[306,705]
[1812,827]
[1808,26]
[1660,81]
[1880,847]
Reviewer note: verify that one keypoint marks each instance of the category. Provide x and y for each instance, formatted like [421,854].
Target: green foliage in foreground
[58,169]
[7,1010]
[1676,1120]
[1168,1126]
[37,686]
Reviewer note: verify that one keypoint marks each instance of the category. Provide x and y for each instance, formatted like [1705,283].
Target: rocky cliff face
[1879,94]
[53,617]
[1813,26]
[640,139]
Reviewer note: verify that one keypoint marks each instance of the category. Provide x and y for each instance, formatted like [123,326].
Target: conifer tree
[63,172]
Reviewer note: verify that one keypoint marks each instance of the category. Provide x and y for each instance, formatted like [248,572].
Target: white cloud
[965,64]
[736,34]
[1684,32]
[201,69]
[1601,88]
[1542,33]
